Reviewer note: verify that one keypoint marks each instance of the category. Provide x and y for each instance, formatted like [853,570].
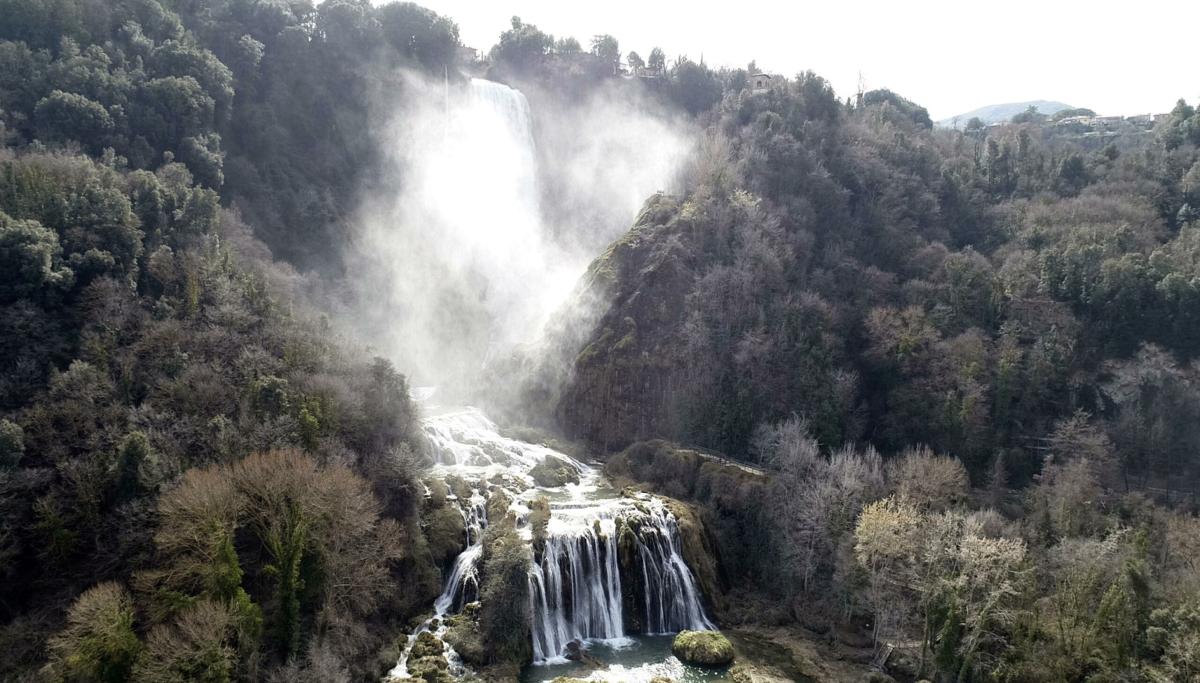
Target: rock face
[445,532]
[462,633]
[703,648]
[717,503]
[621,381]
[699,552]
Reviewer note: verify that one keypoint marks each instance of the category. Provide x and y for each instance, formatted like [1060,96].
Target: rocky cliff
[623,375]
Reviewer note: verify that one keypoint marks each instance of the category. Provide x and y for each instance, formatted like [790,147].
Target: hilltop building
[761,83]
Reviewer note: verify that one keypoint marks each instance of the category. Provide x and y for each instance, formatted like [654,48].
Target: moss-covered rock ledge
[703,648]
[718,504]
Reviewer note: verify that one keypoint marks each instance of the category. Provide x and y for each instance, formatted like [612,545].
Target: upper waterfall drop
[497,206]
[461,252]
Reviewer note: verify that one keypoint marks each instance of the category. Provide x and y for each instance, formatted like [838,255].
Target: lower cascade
[576,590]
[671,598]
[605,566]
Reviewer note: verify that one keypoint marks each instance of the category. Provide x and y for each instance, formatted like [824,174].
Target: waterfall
[462,585]
[610,566]
[575,590]
[671,597]
[461,253]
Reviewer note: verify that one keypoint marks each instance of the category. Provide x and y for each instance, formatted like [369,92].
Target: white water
[576,590]
[458,266]
[473,271]
[666,575]
[461,586]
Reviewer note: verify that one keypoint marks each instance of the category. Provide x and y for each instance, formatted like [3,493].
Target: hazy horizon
[1014,52]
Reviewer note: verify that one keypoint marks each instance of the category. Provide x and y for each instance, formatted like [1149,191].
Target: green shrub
[98,643]
[505,620]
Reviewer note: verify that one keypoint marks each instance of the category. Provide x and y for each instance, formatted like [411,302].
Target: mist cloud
[500,203]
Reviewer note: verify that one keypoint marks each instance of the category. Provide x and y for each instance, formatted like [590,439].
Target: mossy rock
[438,490]
[459,487]
[552,472]
[446,533]
[704,648]
[539,522]
[738,674]
[463,635]
[427,645]
[430,669]
[497,504]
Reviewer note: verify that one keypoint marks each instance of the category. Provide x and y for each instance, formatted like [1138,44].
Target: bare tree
[816,498]
[200,640]
[927,480]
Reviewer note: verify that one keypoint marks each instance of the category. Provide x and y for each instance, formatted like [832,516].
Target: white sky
[1117,57]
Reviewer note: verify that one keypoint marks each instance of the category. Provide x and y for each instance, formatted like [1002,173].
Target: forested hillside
[270,101]
[899,285]
[199,479]
[1008,319]
[952,376]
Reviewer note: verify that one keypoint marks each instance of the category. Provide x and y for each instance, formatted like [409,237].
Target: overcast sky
[1129,57]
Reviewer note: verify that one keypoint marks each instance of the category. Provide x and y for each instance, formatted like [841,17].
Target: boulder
[576,653]
[462,633]
[739,674]
[705,648]
[552,472]
[427,645]
[430,669]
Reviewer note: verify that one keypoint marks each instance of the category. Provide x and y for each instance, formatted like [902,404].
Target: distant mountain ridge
[996,113]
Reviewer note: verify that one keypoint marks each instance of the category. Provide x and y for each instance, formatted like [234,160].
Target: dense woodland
[214,483]
[966,360]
